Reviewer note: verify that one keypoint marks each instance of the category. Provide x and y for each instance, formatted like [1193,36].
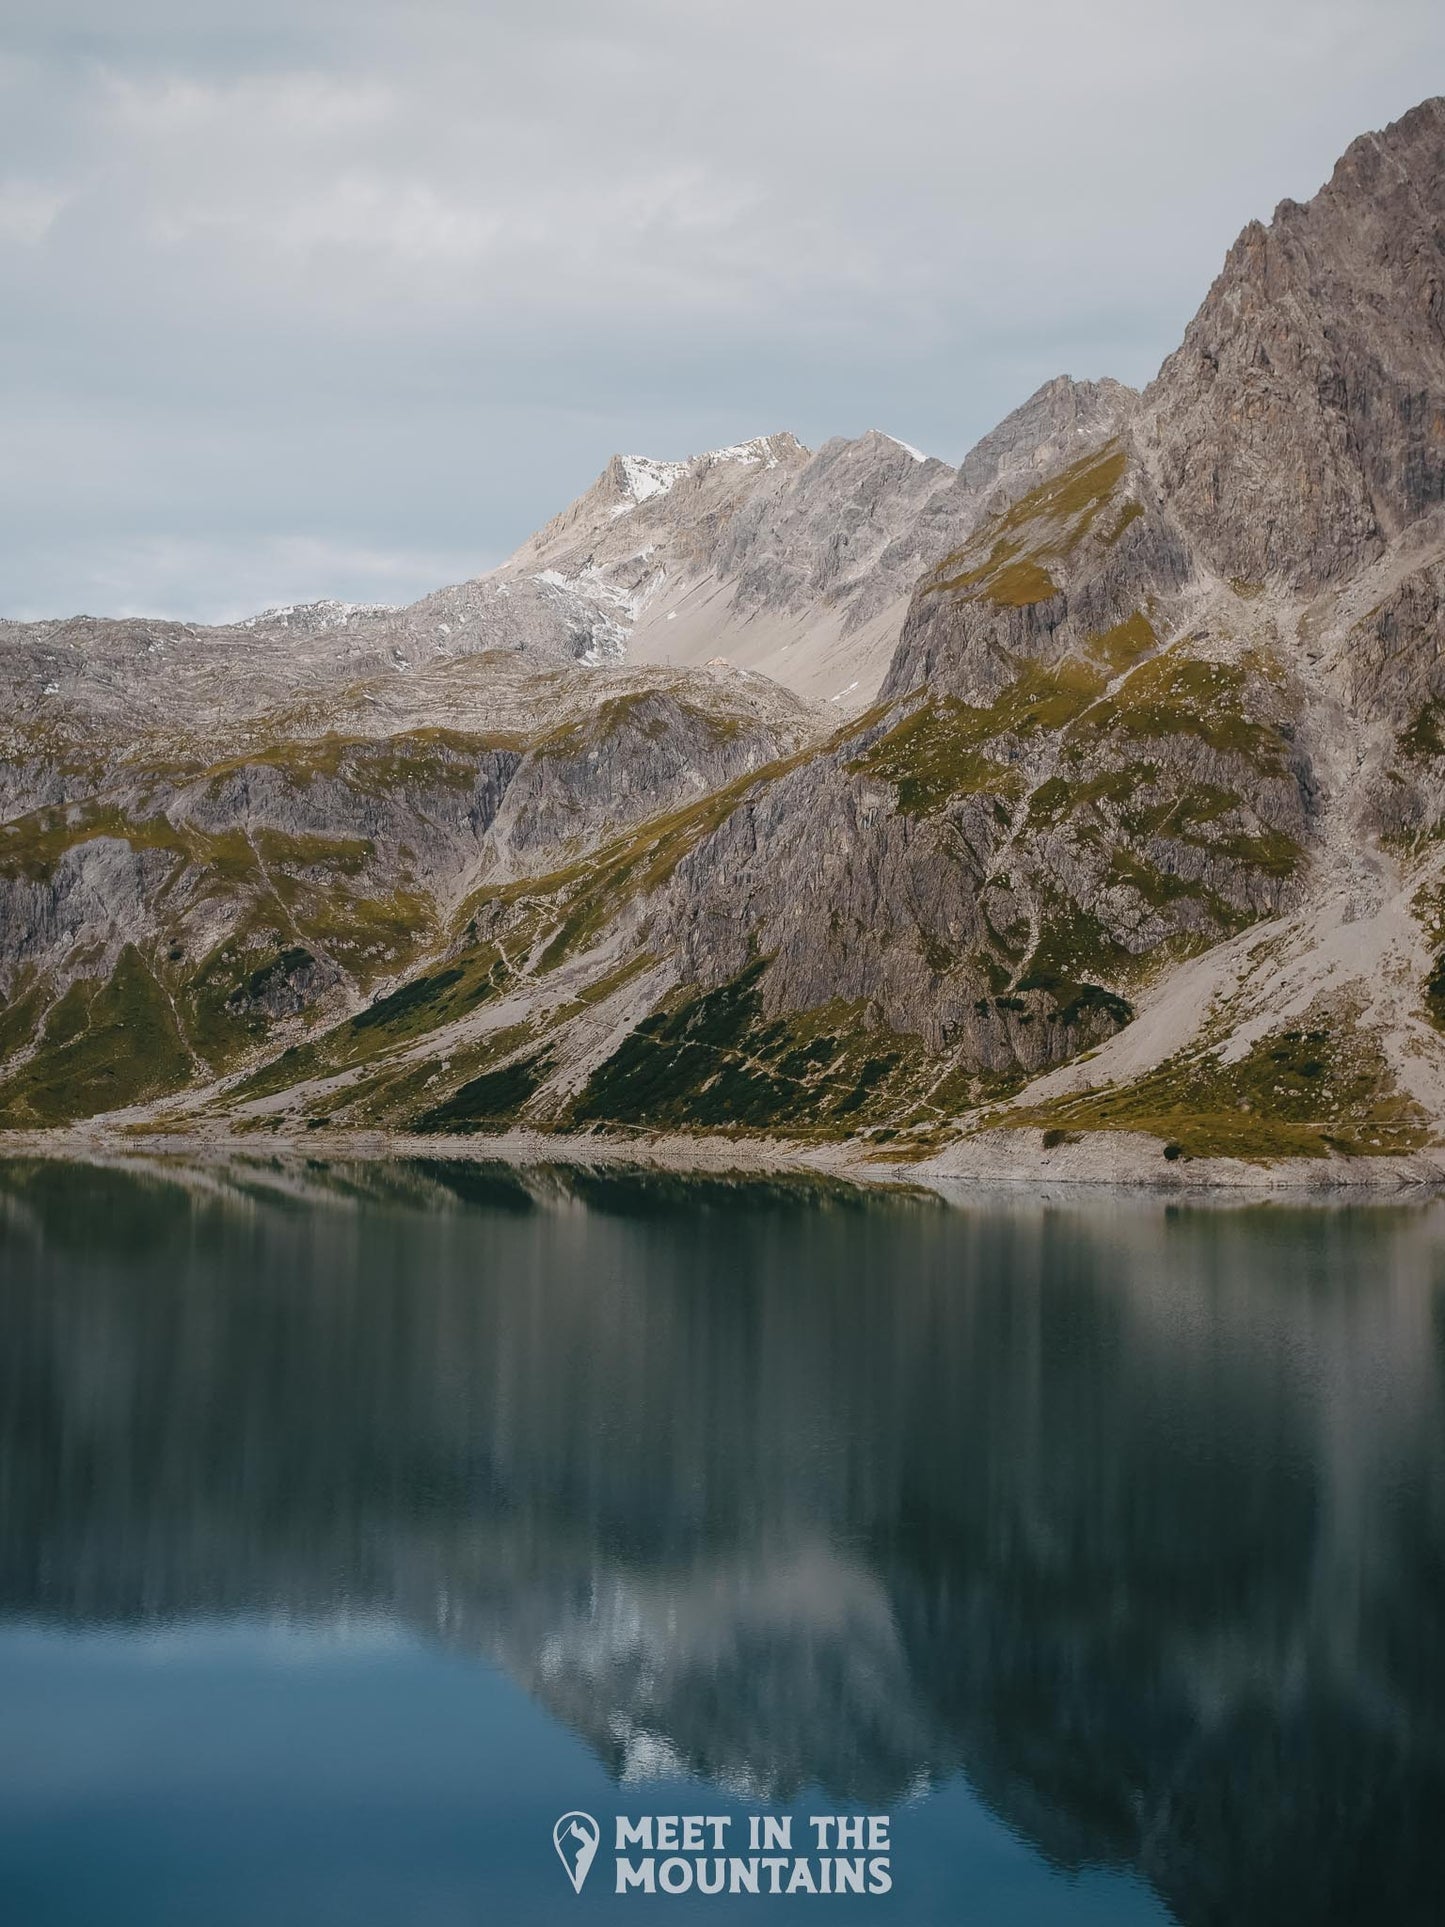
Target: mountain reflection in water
[1132,1515]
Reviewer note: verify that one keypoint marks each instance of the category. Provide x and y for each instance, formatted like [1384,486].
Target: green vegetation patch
[935,754]
[1135,811]
[33,846]
[369,936]
[490,1102]
[411,1011]
[1421,739]
[1058,981]
[269,977]
[1435,992]
[1076,494]
[1018,584]
[1296,1093]
[20,1016]
[1126,644]
[714,1061]
[220,1002]
[412,996]
[297,856]
[1428,905]
[104,1046]
[648,712]
[1005,577]
[928,761]
[1060,797]
[1050,521]
[434,758]
[1176,695]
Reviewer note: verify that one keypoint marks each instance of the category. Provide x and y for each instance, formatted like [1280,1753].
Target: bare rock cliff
[1300,426]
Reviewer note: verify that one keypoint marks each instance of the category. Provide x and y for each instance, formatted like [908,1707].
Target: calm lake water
[355,1526]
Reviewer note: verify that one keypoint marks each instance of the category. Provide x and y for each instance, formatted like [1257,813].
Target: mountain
[1101,818]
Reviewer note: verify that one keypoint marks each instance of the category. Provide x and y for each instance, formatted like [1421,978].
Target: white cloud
[28,211]
[546,229]
[313,109]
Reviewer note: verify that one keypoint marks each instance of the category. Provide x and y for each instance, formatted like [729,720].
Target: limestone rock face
[1048,798]
[1075,557]
[934,511]
[823,538]
[1107,787]
[1054,427]
[1301,424]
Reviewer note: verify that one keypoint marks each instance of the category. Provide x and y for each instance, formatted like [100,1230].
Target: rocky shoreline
[1000,1160]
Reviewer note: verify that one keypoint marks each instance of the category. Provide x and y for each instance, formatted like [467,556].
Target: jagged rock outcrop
[822,539]
[1301,424]
[1058,424]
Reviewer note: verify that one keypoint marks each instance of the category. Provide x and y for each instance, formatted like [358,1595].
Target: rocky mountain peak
[647,498]
[876,436]
[634,479]
[1298,427]
[1056,425]
[637,478]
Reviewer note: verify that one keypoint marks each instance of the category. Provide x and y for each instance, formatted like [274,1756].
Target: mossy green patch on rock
[417,759]
[1005,578]
[928,759]
[20,1016]
[1060,978]
[1435,992]
[399,1018]
[1124,645]
[107,1045]
[1428,905]
[1060,797]
[1178,695]
[714,1061]
[33,846]
[1421,740]
[1007,563]
[490,1102]
[371,936]
[1018,584]
[409,997]
[1302,1092]
[224,1001]
[937,752]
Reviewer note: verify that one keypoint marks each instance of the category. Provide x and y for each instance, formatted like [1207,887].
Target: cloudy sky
[343,297]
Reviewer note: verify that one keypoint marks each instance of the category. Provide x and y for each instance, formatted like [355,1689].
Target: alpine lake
[358,1523]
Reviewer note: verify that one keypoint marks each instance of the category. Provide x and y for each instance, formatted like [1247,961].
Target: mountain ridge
[1126,834]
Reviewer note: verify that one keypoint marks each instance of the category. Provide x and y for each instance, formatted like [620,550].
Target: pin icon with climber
[575,1837]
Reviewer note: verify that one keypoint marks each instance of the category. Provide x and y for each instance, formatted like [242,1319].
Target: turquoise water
[354,1526]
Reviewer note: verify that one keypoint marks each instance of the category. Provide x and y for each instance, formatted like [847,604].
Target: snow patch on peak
[603,610]
[642,478]
[314,615]
[759,449]
[898,442]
